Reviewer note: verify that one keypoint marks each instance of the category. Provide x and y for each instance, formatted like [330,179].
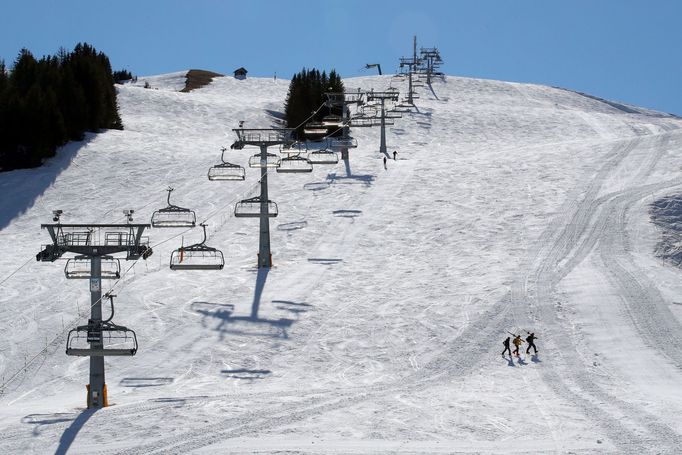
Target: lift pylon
[382,97]
[96,241]
[264,138]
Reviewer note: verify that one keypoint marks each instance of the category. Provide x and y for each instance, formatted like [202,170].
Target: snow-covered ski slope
[379,329]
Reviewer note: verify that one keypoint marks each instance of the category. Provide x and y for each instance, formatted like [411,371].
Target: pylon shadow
[69,435]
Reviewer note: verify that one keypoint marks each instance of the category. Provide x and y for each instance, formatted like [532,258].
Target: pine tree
[45,103]
[306,96]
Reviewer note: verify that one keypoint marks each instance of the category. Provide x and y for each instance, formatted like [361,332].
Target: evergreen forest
[47,102]
[306,95]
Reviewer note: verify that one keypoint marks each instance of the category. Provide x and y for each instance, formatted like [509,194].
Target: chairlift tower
[411,63]
[95,242]
[343,100]
[390,95]
[263,138]
[432,60]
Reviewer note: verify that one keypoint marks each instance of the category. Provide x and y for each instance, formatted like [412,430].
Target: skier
[385,163]
[530,339]
[517,343]
[506,346]
[395,153]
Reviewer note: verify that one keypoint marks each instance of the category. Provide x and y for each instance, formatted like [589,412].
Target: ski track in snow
[510,207]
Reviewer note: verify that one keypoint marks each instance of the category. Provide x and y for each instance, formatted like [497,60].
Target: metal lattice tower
[343,100]
[431,60]
[263,138]
[95,241]
[390,95]
[411,63]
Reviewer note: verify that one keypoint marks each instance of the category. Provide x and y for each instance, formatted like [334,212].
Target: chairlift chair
[79,268]
[314,130]
[333,121]
[108,339]
[341,142]
[197,257]
[271,160]
[292,164]
[173,216]
[226,170]
[323,156]
[250,208]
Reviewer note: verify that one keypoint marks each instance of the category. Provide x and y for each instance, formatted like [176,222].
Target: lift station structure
[100,337]
[262,138]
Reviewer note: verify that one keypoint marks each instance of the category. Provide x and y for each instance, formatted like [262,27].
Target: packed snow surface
[510,208]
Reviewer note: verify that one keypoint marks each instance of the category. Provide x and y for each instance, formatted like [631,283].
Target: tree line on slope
[46,103]
[306,94]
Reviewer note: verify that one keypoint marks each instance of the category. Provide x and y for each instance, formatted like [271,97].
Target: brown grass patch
[198,78]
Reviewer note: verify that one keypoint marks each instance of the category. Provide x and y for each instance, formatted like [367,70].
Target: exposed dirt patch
[199,78]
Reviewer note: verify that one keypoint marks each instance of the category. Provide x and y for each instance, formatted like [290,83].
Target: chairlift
[226,170]
[315,130]
[294,164]
[197,257]
[101,339]
[323,156]
[361,122]
[250,208]
[173,216]
[344,142]
[271,160]
[333,121]
[80,268]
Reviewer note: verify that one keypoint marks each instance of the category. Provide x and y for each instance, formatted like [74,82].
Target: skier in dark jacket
[506,346]
[530,339]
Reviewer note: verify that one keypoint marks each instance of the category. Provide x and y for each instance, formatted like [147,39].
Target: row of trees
[306,94]
[48,102]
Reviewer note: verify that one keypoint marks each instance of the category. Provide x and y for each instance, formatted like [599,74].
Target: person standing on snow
[385,163]
[395,154]
[506,346]
[517,343]
[530,339]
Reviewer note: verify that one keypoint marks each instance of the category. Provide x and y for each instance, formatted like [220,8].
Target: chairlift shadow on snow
[40,420]
[348,213]
[316,186]
[238,325]
[145,382]
[22,187]
[362,179]
[293,307]
[245,373]
[70,433]
[293,226]
[325,261]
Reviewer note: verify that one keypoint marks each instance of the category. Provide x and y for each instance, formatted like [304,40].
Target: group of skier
[517,342]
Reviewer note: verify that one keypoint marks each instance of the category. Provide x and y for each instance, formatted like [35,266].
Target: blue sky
[624,50]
